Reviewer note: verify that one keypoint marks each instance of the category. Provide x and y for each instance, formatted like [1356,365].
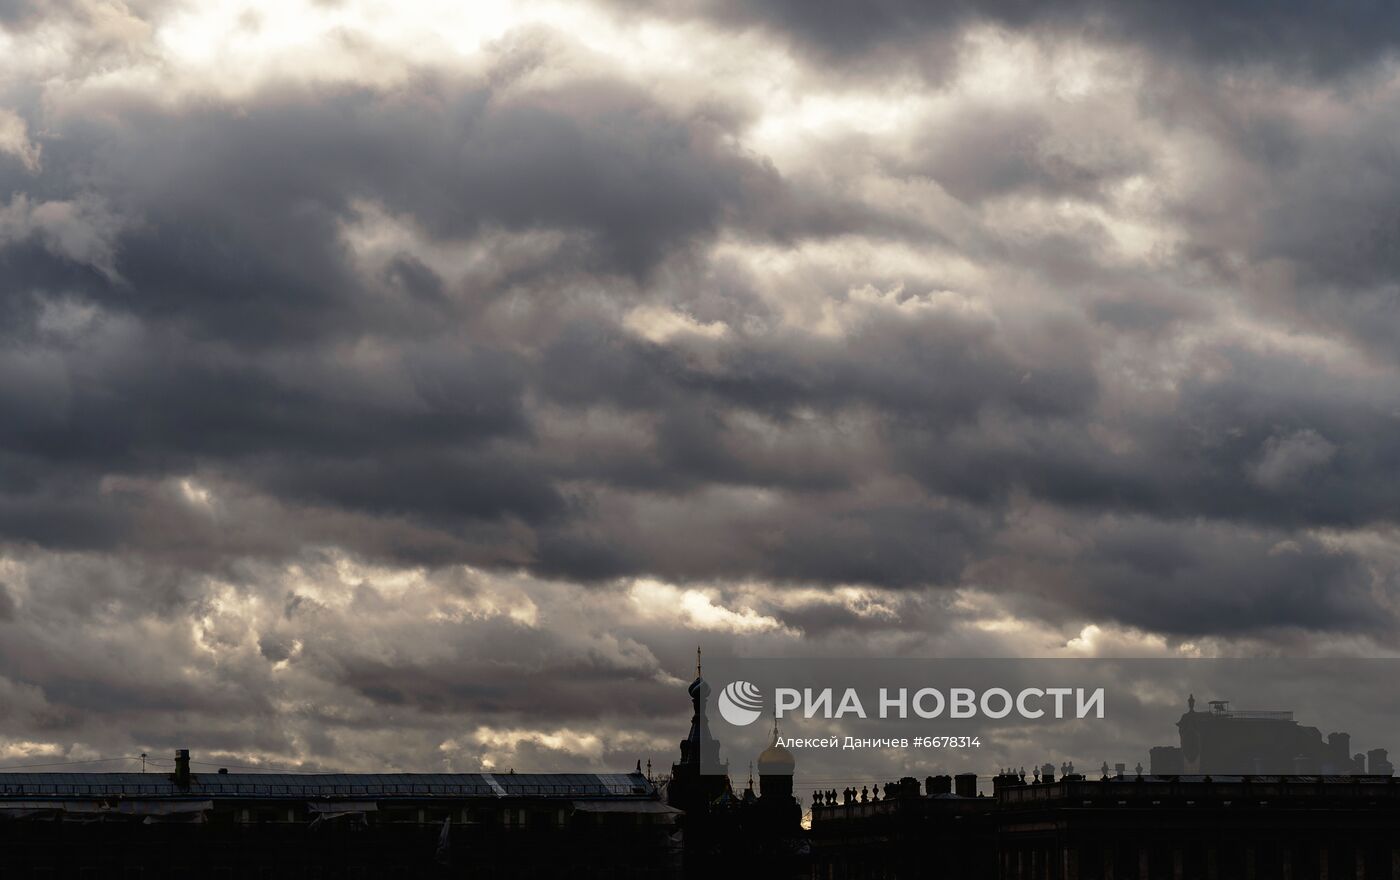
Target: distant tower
[780,811]
[775,768]
[1377,762]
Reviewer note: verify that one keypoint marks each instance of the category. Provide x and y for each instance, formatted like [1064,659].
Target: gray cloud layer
[1290,35]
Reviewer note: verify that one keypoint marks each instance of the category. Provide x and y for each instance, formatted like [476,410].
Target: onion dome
[776,760]
[699,688]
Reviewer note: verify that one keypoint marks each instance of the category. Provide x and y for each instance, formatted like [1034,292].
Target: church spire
[700,746]
[700,776]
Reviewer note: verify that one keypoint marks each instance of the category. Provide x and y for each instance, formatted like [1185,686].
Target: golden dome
[776,760]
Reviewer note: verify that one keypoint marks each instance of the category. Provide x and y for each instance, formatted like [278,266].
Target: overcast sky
[390,385]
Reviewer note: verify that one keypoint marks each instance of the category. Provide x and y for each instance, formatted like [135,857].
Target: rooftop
[328,785]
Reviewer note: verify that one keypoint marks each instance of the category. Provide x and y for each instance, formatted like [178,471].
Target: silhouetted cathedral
[689,788]
[760,830]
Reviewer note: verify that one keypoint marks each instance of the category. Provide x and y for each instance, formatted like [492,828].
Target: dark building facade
[1253,828]
[1184,822]
[899,831]
[263,826]
[1130,828]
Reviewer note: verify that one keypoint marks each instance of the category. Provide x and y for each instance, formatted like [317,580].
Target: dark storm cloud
[235,212]
[22,14]
[1193,579]
[570,688]
[19,13]
[937,362]
[1251,445]
[1292,35]
[215,187]
[1318,243]
[230,238]
[159,410]
[952,399]
[993,150]
[1143,310]
[804,540]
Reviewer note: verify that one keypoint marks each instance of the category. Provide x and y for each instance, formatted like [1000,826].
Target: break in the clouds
[389,384]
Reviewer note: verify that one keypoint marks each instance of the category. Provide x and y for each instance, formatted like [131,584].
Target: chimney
[182,768]
[1000,781]
[965,785]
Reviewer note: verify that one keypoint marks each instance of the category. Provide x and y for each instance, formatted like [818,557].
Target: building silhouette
[700,779]
[1224,740]
[776,768]
[760,830]
[1053,824]
[1119,828]
[1130,825]
[284,825]
[269,826]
